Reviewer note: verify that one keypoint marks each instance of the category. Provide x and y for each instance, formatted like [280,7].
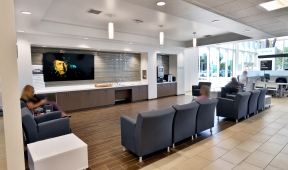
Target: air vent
[206,36]
[93,11]
[138,21]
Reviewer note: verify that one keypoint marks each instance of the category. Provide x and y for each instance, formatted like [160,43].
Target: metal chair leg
[168,149]
[173,145]
[140,159]
[236,120]
[196,136]
[124,149]
[211,130]
[192,137]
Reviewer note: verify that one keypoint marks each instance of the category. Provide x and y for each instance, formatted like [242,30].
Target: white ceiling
[250,13]
[180,20]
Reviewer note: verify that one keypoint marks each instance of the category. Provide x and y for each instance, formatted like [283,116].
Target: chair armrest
[48,116]
[128,126]
[225,107]
[230,96]
[53,128]
[239,90]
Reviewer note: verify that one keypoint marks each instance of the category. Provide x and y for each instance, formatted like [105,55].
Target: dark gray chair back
[253,101]
[29,125]
[153,130]
[184,124]
[241,104]
[261,99]
[204,83]
[206,114]
[22,104]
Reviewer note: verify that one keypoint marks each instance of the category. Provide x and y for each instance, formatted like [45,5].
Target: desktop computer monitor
[267,76]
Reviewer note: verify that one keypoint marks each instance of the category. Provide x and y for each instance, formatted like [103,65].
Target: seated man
[233,86]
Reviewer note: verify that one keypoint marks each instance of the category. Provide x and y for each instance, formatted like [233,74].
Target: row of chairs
[158,129]
[242,104]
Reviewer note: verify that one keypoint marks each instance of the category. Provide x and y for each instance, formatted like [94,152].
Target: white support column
[10,87]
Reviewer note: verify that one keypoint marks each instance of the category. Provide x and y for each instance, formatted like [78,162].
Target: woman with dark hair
[35,102]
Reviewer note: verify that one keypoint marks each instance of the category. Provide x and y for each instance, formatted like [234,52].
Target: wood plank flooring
[100,129]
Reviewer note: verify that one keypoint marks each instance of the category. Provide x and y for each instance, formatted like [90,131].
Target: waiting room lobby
[150,85]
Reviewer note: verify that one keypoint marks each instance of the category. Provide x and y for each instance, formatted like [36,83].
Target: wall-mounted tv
[65,67]
[266,65]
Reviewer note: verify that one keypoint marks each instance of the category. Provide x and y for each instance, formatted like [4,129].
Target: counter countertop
[82,87]
[167,82]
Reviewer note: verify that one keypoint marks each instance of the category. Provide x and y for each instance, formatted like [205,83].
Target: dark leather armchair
[253,101]
[43,127]
[184,124]
[234,109]
[151,132]
[196,88]
[261,99]
[206,115]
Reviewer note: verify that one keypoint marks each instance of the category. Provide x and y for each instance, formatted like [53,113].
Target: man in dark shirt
[233,86]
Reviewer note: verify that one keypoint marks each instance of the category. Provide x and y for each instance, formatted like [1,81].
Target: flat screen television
[266,65]
[67,67]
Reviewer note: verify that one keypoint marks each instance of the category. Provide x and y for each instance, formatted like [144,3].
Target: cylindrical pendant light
[111,29]
[161,36]
[194,40]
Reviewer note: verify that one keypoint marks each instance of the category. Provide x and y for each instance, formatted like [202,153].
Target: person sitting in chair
[205,93]
[233,86]
[35,103]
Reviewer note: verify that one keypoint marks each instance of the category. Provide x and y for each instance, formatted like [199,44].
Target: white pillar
[10,87]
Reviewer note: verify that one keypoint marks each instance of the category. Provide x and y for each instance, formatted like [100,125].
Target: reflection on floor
[256,143]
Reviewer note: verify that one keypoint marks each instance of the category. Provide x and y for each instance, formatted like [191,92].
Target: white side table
[66,152]
[267,100]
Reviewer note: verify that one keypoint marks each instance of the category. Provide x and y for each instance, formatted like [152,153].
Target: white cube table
[66,152]
[267,100]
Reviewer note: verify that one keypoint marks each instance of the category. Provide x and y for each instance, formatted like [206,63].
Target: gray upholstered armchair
[184,124]
[43,127]
[151,132]
[234,109]
[206,115]
[253,101]
[196,88]
[261,99]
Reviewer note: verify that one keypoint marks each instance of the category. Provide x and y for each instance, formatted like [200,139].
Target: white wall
[65,42]
[24,64]
[191,68]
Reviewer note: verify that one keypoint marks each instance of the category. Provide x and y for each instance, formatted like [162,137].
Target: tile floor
[257,143]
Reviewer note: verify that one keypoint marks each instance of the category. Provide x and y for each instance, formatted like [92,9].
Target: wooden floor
[100,129]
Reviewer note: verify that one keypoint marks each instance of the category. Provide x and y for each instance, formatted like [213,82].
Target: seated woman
[205,93]
[33,102]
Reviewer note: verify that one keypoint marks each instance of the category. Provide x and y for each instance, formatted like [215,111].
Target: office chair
[282,80]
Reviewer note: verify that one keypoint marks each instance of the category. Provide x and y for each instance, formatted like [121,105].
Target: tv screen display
[266,65]
[65,67]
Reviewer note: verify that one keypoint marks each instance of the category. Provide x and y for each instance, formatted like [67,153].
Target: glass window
[231,46]
[231,55]
[214,62]
[279,46]
[285,50]
[203,57]
[242,46]
[222,62]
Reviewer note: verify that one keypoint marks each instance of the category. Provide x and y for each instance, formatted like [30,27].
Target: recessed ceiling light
[214,21]
[26,12]
[44,46]
[85,38]
[20,31]
[130,43]
[246,31]
[161,3]
[273,5]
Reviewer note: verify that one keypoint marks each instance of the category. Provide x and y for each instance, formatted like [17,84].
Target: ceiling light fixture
[111,28]
[161,3]
[85,38]
[214,21]
[26,12]
[161,36]
[20,31]
[194,40]
[273,5]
